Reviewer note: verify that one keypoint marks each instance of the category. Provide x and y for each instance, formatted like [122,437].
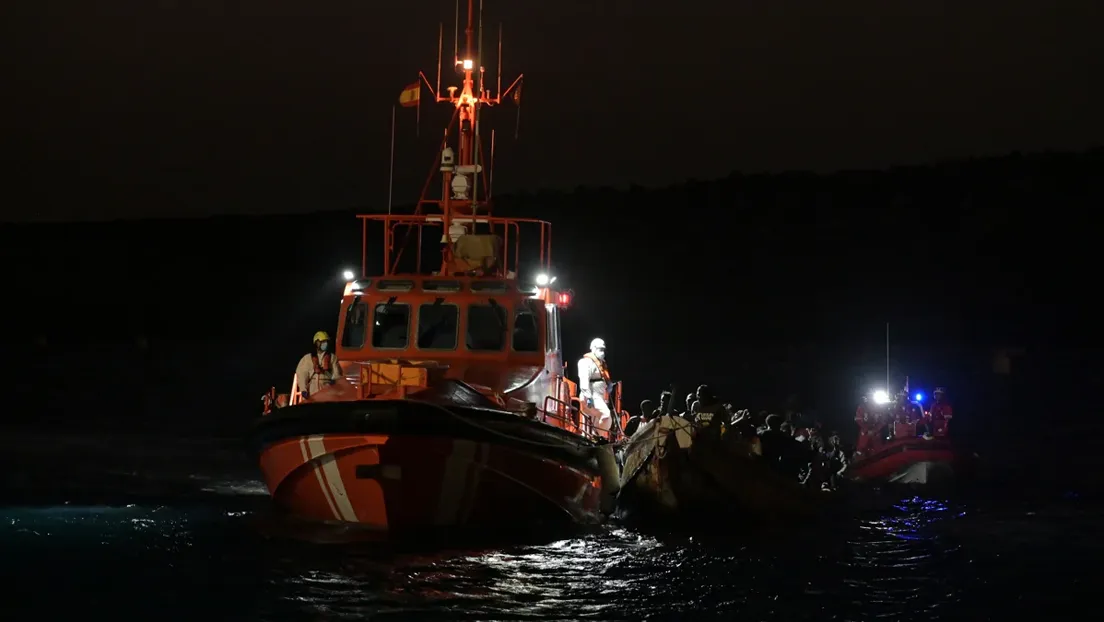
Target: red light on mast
[563,299]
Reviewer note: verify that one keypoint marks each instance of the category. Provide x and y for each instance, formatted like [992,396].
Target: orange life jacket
[323,366]
[602,369]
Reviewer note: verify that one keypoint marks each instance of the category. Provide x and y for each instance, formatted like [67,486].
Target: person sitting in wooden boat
[940,413]
[708,412]
[778,447]
[647,411]
[317,369]
[838,459]
[818,471]
[827,462]
[741,435]
[688,413]
[594,385]
[665,398]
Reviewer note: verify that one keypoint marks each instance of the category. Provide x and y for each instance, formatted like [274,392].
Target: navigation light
[919,397]
[468,64]
[543,280]
[881,397]
[348,274]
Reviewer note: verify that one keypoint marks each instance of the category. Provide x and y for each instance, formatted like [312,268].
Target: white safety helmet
[598,347]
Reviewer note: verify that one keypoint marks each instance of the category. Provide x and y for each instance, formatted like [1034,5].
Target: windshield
[356,326]
[391,326]
[437,325]
[486,327]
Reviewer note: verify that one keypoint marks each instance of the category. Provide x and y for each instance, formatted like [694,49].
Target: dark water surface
[146,528]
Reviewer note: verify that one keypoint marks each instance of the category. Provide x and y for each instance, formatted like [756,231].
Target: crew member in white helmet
[594,385]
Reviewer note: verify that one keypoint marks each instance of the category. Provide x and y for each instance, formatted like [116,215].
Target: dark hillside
[961,257]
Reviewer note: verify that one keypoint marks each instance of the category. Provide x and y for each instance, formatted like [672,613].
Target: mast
[465,183]
[463,199]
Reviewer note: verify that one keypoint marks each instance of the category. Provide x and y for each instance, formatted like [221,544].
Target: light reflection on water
[903,563]
[210,553]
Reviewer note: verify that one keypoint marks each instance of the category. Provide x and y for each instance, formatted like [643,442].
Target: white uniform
[593,387]
[313,381]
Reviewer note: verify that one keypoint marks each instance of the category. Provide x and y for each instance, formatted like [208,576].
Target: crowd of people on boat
[796,445]
[787,442]
[792,444]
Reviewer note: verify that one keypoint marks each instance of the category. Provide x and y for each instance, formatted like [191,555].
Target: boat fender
[611,476]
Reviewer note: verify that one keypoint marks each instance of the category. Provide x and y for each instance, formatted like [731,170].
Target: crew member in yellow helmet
[319,368]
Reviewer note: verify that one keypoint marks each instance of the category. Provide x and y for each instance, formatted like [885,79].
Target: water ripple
[175,544]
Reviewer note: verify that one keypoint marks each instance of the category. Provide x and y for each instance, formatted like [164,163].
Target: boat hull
[399,465]
[671,477]
[910,461]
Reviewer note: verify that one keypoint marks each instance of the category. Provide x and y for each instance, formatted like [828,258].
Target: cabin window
[526,330]
[437,326]
[355,331]
[441,286]
[395,285]
[488,286]
[486,327]
[391,327]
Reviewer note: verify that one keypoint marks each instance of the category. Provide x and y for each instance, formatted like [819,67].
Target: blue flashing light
[919,397]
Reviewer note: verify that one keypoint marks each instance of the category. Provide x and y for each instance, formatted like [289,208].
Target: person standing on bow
[940,414]
[594,385]
[317,369]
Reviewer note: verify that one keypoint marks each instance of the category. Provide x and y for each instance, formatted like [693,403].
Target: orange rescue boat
[453,409]
[891,450]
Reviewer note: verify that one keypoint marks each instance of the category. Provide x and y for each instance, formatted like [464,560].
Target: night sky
[173,108]
[765,286]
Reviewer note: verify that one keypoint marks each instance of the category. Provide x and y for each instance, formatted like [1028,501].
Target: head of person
[598,348]
[321,341]
[704,394]
[664,401]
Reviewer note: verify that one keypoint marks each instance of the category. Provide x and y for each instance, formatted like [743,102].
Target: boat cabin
[471,318]
[441,318]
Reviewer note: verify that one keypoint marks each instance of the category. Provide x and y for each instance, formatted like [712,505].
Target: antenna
[479,53]
[887,358]
[498,88]
[456,35]
[440,45]
[490,182]
[468,34]
[477,143]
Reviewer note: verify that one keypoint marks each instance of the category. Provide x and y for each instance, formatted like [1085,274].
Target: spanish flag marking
[409,96]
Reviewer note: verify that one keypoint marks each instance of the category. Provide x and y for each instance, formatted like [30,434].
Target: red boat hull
[908,461]
[423,468]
